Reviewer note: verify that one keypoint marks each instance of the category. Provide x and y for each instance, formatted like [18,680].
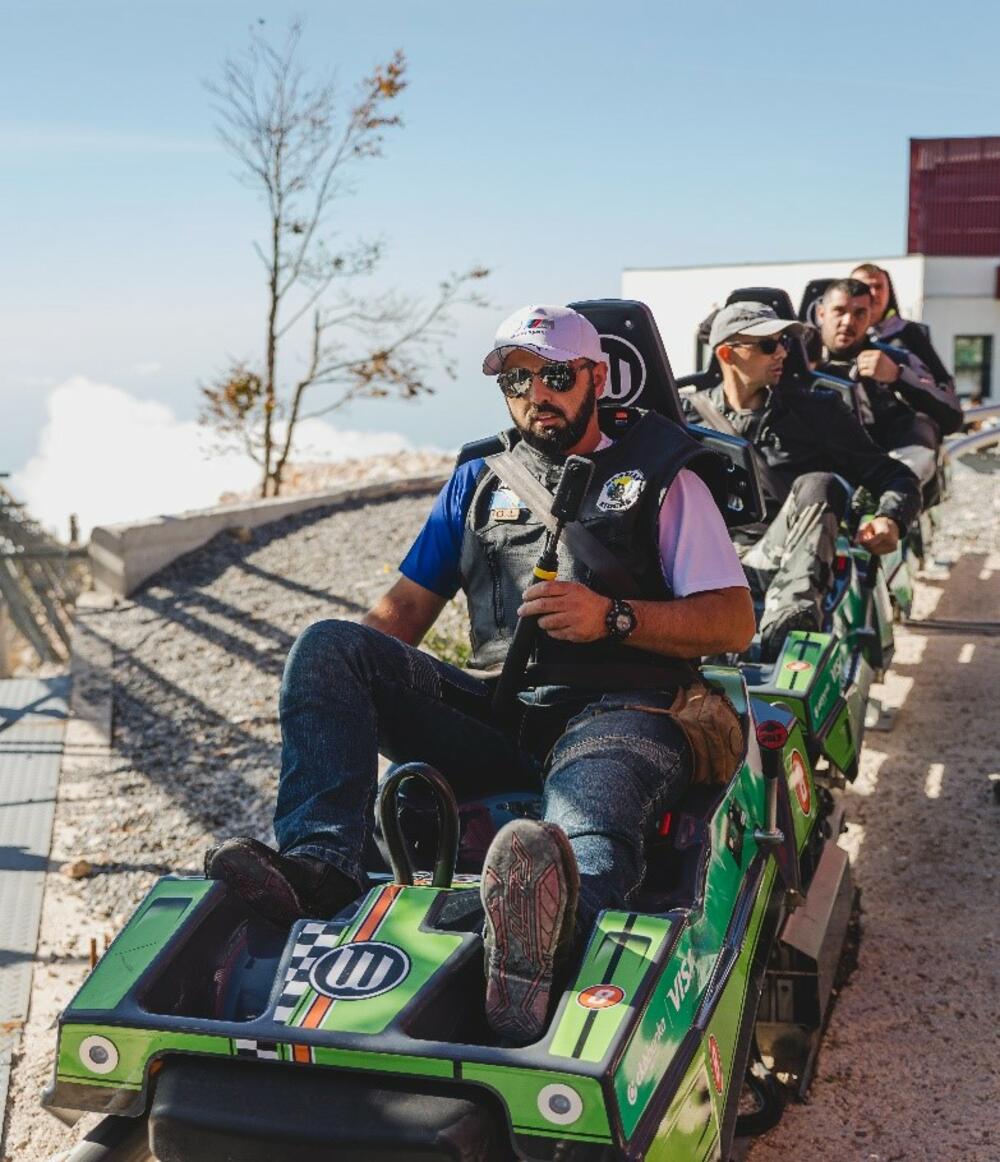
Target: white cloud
[107,457]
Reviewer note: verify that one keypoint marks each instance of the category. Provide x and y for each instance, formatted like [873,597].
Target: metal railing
[40,580]
[986,435]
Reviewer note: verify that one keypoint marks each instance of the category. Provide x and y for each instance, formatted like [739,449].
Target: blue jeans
[350,692]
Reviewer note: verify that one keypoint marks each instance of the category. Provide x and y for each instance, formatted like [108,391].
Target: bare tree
[299,146]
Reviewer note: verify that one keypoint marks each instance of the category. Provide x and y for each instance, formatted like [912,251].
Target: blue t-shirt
[433,559]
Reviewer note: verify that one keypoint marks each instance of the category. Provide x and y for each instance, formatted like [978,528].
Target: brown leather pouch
[712,728]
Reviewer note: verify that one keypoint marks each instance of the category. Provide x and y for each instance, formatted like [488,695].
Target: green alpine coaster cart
[204,1032]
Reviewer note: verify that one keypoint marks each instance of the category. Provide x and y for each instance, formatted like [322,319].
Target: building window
[973,366]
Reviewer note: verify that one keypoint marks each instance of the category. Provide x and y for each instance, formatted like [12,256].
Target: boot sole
[530,887]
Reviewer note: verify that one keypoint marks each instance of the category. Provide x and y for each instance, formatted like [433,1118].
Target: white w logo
[355,971]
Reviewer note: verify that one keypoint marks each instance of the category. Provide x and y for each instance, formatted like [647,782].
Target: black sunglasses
[558,377]
[766,346]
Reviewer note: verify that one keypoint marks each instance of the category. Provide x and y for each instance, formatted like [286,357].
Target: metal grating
[33,716]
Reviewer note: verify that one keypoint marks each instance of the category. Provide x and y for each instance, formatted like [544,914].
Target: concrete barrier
[123,556]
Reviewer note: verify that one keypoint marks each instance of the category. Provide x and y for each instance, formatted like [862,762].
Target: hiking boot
[281,888]
[530,886]
[772,636]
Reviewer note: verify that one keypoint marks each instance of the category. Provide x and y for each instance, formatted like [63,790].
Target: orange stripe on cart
[378,913]
[315,1014]
[321,1004]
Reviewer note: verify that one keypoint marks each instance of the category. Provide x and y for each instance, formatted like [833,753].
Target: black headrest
[810,297]
[771,296]
[639,371]
[796,368]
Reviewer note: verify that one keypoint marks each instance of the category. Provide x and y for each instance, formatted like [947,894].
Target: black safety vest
[502,538]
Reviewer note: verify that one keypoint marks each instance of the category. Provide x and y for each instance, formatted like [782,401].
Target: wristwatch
[620,620]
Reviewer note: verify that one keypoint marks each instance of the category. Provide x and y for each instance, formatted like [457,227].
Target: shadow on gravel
[298,587]
[198,660]
[19,859]
[178,608]
[206,564]
[164,734]
[911,1060]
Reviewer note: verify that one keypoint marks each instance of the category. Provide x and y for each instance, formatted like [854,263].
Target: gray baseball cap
[749,319]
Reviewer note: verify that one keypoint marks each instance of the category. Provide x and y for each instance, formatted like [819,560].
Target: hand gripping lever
[573,485]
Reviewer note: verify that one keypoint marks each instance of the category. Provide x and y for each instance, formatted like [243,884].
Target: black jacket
[800,430]
[940,402]
[914,390]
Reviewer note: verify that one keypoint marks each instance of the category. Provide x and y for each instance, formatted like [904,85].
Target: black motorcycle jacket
[914,390]
[801,430]
[935,394]
[502,539]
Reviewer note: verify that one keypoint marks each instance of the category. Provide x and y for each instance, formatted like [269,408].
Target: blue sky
[554,143]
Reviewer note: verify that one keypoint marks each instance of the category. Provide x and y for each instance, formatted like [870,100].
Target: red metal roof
[954,196]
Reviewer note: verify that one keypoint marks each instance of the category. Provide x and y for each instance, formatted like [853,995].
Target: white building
[956,297]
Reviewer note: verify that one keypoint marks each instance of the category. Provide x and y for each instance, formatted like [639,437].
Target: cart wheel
[115,1139]
[762,1101]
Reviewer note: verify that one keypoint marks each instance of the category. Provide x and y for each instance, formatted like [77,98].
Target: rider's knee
[328,639]
[822,488]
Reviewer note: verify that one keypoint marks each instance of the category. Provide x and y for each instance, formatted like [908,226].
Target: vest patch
[621,491]
[505,505]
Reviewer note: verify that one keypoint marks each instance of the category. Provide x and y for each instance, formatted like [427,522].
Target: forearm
[406,611]
[855,456]
[714,622]
[917,385]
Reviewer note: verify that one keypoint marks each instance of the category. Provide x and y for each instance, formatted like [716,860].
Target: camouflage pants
[791,565]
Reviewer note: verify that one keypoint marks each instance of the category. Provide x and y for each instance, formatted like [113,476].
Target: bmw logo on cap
[355,972]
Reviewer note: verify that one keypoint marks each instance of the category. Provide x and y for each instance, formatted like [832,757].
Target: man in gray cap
[806,443]
[612,713]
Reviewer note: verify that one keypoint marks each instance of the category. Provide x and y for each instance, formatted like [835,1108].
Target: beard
[556,441]
[848,350]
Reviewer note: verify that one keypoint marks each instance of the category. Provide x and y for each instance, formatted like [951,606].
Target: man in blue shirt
[598,712]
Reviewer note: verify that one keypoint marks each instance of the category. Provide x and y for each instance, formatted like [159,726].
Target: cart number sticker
[800,781]
[601,996]
[798,667]
[715,1059]
[355,972]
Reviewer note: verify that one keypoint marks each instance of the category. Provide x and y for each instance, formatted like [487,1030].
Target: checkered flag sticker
[312,940]
[257,1050]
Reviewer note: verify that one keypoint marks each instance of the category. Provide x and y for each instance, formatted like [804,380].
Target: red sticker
[601,996]
[715,1059]
[772,735]
[798,667]
[800,781]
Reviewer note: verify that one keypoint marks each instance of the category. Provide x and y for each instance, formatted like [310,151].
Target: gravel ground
[910,1065]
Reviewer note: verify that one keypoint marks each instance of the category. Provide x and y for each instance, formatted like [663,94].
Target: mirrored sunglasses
[558,377]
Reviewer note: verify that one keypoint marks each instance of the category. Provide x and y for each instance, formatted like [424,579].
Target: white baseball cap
[556,333]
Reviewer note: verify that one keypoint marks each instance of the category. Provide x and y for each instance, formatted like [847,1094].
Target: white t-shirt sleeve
[695,550]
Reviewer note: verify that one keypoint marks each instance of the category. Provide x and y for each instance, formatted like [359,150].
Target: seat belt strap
[581,543]
[715,419]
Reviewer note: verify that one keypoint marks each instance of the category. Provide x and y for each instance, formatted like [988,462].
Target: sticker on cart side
[800,781]
[357,971]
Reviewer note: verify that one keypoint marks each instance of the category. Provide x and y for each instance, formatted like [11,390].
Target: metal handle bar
[447,813]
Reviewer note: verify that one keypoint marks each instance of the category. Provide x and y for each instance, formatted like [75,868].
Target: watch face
[623,623]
